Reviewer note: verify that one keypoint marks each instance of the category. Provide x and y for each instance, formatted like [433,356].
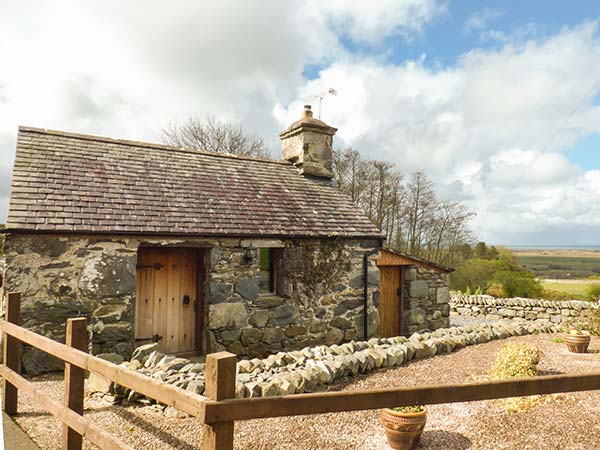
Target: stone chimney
[307,144]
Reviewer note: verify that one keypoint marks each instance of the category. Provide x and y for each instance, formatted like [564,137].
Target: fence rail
[218,409]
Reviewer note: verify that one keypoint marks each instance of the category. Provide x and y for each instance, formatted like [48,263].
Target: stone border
[313,368]
[492,308]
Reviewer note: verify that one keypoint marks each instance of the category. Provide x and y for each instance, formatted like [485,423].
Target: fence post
[220,385]
[12,352]
[76,337]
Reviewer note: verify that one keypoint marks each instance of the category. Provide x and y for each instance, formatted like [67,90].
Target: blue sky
[467,91]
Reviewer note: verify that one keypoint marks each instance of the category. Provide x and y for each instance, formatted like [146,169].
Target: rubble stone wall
[426,297]
[95,276]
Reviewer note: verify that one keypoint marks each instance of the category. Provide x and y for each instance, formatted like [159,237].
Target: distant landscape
[569,271]
[560,263]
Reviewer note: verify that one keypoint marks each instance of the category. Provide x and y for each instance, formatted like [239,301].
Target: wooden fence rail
[77,362]
[219,409]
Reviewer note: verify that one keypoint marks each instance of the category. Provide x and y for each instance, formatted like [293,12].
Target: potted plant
[577,340]
[403,426]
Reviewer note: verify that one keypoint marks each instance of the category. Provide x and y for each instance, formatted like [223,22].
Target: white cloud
[480,19]
[122,70]
[117,69]
[479,127]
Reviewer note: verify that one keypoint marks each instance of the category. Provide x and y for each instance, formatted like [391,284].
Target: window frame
[275,272]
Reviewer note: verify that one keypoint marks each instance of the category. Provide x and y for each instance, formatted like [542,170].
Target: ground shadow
[543,372]
[446,440]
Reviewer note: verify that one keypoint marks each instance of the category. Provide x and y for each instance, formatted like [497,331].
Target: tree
[212,135]
[475,273]
[407,211]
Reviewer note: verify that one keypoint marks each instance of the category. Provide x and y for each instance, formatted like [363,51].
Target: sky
[497,101]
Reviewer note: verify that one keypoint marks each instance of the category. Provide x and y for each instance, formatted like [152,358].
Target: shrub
[593,291]
[516,361]
[519,284]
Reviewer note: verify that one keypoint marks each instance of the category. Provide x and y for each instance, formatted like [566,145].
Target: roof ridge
[141,144]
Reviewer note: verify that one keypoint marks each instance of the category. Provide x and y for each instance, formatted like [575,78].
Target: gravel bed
[562,421]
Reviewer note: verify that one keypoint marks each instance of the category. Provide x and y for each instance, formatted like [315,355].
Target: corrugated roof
[69,182]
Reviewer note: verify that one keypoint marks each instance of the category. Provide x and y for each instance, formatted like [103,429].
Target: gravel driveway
[563,421]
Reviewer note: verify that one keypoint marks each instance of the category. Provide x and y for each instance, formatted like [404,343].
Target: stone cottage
[197,251]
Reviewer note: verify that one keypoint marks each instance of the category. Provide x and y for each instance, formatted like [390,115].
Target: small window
[269,281]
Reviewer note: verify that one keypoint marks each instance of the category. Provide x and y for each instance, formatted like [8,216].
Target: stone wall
[426,297]
[322,301]
[543,311]
[312,368]
[95,276]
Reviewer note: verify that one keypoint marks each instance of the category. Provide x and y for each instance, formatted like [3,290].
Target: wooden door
[167,298]
[390,302]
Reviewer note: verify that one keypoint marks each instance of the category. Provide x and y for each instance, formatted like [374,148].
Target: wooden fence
[219,409]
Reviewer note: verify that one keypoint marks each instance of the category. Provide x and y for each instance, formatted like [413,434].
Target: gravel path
[562,421]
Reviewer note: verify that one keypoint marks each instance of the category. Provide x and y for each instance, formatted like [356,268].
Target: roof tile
[77,183]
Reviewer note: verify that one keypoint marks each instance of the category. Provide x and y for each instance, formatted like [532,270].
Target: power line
[562,127]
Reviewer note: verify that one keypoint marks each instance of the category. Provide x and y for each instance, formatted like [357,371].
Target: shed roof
[65,182]
[389,257]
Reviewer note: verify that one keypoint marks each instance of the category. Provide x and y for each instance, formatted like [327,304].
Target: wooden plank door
[167,298]
[390,302]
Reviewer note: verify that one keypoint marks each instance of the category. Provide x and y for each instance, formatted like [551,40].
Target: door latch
[154,338]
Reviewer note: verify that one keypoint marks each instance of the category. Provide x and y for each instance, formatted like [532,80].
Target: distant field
[577,288]
[560,263]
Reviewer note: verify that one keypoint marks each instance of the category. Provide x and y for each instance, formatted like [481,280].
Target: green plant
[593,291]
[409,409]
[557,340]
[474,273]
[588,321]
[516,361]
[519,284]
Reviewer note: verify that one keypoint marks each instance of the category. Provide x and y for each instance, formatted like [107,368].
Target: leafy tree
[475,273]
[519,284]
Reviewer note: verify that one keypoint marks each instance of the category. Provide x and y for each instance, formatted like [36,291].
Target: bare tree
[213,135]
[409,212]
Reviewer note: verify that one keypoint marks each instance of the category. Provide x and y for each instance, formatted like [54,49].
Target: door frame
[201,318]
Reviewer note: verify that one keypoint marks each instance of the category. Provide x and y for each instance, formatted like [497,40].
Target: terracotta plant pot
[577,343]
[403,430]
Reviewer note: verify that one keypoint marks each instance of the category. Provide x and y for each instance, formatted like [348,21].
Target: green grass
[544,266]
[576,289]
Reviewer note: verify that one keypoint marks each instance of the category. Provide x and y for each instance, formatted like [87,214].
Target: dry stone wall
[311,369]
[542,311]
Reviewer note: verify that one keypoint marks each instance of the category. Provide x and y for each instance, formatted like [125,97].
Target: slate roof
[65,182]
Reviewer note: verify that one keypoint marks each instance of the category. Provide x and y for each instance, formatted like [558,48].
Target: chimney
[308,144]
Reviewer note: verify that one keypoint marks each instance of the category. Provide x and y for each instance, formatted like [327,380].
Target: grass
[576,288]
